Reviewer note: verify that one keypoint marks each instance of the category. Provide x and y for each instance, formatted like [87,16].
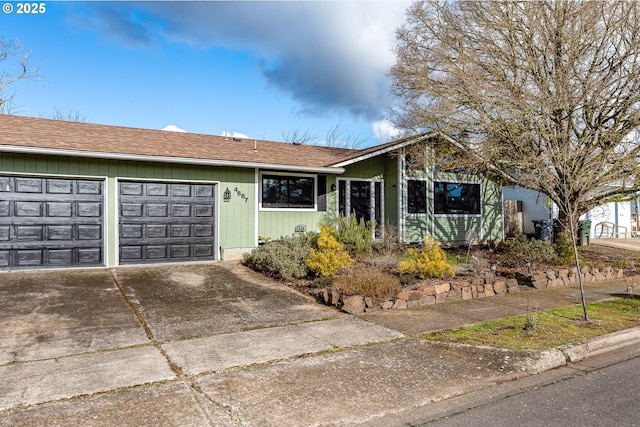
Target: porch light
[226,195]
[333,187]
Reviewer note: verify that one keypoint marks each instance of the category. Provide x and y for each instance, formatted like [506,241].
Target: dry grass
[368,282]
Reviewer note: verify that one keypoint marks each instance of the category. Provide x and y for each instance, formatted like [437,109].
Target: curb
[599,345]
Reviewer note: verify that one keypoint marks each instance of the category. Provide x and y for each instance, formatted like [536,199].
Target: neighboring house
[535,206]
[76,194]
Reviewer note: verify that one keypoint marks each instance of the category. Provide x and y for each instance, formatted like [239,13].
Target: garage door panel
[50,222]
[59,186]
[165,221]
[61,256]
[60,232]
[28,185]
[59,209]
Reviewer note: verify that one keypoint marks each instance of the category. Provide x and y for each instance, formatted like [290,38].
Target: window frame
[281,175]
[464,214]
[410,194]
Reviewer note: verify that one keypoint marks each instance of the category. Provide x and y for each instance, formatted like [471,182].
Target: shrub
[564,249]
[329,256]
[364,281]
[430,261]
[356,236]
[521,248]
[283,259]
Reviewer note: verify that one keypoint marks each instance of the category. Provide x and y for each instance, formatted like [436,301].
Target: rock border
[429,292]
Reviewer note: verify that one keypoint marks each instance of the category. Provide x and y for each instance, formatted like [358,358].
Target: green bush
[430,261]
[522,248]
[282,259]
[368,282]
[564,249]
[356,236]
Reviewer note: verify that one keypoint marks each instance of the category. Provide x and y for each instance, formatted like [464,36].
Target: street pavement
[217,344]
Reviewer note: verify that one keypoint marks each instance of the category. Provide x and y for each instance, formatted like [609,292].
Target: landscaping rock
[427,300]
[387,305]
[400,304]
[429,290]
[500,287]
[354,305]
[442,288]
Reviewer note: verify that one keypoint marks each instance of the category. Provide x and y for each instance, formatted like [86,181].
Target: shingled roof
[45,136]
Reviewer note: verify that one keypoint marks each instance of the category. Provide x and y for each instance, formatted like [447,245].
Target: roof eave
[388,149]
[336,169]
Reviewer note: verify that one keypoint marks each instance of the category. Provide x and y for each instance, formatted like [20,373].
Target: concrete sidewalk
[216,344]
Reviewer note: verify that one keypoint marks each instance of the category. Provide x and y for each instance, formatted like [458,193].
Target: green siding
[461,228]
[275,224]
[236,219]
[373,168]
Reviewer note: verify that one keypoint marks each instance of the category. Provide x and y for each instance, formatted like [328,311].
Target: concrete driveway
[219,345]
[68,333]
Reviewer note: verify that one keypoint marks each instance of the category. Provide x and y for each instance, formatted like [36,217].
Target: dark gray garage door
[50,222]
[166,222]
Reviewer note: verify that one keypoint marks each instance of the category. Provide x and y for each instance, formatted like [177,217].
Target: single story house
[77,194]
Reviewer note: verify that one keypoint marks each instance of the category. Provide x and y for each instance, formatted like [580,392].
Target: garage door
[166,222]
[50,222]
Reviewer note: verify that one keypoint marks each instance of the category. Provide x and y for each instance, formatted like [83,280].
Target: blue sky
[259,69]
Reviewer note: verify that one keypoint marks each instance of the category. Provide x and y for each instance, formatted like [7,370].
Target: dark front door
[50,222]
[362,199]
[166,222]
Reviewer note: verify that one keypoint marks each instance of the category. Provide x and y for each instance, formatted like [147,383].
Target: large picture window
[416,196]
[454,198]
[281,191]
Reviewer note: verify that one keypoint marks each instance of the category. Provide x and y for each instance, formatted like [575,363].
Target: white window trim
[445,215]
[315,192]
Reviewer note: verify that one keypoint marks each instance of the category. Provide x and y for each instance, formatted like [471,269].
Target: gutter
[167,159]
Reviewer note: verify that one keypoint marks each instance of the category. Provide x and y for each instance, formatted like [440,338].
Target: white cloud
[173,128]
[327,55]
[384,131]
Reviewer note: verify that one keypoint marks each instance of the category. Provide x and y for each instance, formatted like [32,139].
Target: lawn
[548,329]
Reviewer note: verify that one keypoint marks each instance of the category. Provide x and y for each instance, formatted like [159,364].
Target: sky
[256,69]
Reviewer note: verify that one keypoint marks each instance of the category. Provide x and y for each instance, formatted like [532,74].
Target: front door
[362,199]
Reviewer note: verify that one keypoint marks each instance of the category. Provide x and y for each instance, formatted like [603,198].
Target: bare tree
[337,136]
[340,136]
[544,95]
[70,115]
[9,51]
[298,137]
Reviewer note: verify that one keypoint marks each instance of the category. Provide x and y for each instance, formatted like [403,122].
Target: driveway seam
[181,376]
[147,330]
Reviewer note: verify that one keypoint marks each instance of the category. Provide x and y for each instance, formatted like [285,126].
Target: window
[456,198]
[280,191]
[416,196]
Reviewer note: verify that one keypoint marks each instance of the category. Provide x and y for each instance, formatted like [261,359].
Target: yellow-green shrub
[330,255]
[430,261]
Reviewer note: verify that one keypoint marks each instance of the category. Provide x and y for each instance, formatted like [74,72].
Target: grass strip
[548,329]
